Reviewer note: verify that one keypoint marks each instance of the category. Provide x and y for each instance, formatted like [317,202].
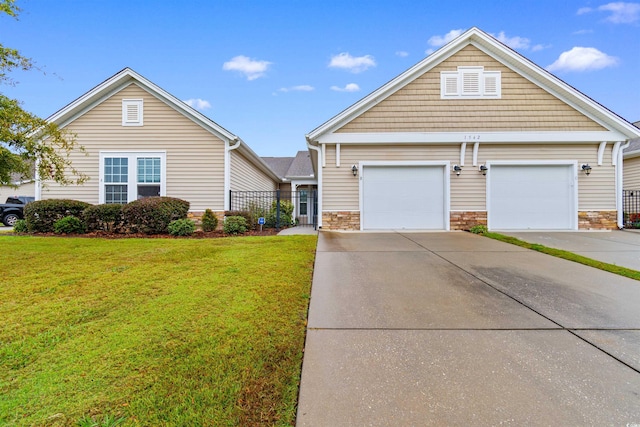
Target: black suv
[13,209]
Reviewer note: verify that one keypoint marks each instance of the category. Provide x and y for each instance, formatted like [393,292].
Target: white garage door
[532,197]
[403,197]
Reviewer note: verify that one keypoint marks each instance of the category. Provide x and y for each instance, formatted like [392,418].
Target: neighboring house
[631,179]
[23,187]
[297,177]
[141,141]
[473,134]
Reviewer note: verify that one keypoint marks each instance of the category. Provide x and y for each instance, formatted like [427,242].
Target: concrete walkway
[297,230]
[457,329]
[615,247]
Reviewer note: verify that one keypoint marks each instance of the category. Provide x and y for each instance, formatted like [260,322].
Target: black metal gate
[280,209]
[631,208]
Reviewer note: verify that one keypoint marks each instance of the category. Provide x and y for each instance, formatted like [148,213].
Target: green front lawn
[158,332]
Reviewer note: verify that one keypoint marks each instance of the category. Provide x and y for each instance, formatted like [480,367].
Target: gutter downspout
[227,170]
[619,183]
[317,150]
[38,185]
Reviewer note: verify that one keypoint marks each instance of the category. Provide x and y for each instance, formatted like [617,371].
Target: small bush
[107,217]
[286,214]
[69,225]
[478,229]
[245,214]
[209,221]
[182,227]
[152,215]
[235,225]
[42,214]
[20,226]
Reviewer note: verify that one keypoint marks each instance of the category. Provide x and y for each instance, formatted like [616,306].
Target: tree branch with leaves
[28,142]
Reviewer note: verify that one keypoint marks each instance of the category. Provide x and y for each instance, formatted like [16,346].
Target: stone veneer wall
[597,220]
[341,220]
[466,219]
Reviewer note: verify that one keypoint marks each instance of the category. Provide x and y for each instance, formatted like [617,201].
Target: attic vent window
[470,83]
[132,112]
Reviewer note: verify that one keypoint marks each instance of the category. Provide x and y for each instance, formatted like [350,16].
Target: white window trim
[447,79]
[132,183]
[140,105]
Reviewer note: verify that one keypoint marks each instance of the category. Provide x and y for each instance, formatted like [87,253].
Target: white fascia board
[631,154]
[482,137]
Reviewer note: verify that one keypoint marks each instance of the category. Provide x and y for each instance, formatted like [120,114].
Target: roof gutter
[227,168]
[619,183]
[318,176]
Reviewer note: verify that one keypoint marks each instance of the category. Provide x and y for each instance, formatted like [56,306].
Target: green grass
[611,268]
[158,332]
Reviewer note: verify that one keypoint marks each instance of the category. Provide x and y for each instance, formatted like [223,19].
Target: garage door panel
[403,197]
[532,197]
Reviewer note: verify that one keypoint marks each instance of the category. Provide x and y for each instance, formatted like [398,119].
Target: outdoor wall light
[586,168]
[354,170]
[457,169]
[483,170]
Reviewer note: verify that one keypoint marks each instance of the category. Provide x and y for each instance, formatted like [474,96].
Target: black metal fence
[631,208]
[277,208]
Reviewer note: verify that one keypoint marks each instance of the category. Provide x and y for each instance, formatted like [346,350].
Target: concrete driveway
[615,247]
[457,329]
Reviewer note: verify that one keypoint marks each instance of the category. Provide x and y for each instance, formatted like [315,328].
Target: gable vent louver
[132,112]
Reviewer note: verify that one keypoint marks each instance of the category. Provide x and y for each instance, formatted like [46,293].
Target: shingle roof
[279,165]
[301,165]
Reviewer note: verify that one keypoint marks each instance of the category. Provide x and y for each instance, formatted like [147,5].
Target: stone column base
[341,220]
[597,220]
[464,220]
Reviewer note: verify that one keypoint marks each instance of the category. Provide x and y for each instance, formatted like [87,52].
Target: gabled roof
[633,150]
[280,165]
[126,77]
[501,53]
[292,167]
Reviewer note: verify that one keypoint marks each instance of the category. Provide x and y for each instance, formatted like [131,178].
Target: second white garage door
[403,197]
[532,197]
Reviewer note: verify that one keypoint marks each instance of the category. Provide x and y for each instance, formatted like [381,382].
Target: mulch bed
[199,234]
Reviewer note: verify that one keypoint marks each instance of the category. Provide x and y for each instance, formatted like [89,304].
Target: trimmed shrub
[42,214]
[286,214]
[182,227]
[235,225]
[209,221]
[245,214]
[478,229]
[107,217]
[69,225]
[152,215]
[20,226]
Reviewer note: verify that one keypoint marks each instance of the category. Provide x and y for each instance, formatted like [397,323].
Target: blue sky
[272,71]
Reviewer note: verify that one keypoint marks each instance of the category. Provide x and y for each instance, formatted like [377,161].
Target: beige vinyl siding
[28,189]
[631,172]
[195,157]
[418,108]
[246,177]
[468,191]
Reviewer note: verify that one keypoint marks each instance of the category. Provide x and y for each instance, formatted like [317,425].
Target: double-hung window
[304,197]
[127,176]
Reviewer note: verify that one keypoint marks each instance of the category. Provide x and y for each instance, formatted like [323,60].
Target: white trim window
[132,112]
[470,83]
[128,176]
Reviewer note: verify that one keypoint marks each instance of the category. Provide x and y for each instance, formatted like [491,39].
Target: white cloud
[198,104]
[355,64]
[299,88]
[581,32]
[620,12]
[437,41]
[402,54]
[351,87]
[252,69]
[583,59]
[539,47]
[515,42]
